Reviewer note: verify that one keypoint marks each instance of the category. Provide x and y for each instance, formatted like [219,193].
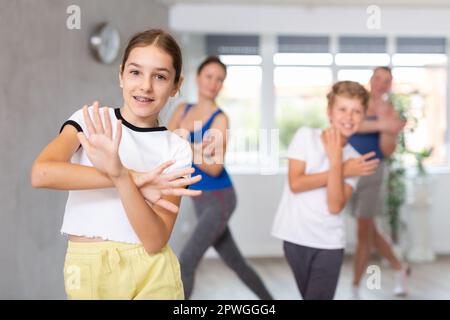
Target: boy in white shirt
[323,172]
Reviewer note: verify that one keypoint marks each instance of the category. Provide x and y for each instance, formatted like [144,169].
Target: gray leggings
[316,271]
[214,209]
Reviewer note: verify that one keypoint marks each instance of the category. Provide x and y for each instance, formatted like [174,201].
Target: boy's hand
[361,166]
[332,141]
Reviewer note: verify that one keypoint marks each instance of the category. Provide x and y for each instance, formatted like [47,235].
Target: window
[240,99]
[240,96]
[419,68]
[357,56]
[420,74]
[305,67]
[362,59]
[300,94]
[425,91]
[302,78]
[359,75]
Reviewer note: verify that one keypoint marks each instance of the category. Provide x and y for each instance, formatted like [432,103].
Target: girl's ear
[177,87]
[120,76]
[329,114]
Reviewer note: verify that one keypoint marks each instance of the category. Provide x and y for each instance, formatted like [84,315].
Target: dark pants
[316,271]
[214,209]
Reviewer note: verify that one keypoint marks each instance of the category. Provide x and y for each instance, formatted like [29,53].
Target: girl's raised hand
[101,148]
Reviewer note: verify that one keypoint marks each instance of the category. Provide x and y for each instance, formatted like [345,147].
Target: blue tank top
[208,182]
[367,142]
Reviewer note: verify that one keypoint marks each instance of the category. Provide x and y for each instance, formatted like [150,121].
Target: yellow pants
[114,270]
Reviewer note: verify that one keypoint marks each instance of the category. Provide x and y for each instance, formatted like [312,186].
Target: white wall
[265,19]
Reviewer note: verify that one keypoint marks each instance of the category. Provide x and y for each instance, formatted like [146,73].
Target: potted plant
[416,192]
[396,187]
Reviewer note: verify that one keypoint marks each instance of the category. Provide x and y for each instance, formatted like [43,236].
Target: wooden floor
[215,281]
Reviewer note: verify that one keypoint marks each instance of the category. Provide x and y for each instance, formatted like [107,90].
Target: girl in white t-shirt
[323,171]
[118,166]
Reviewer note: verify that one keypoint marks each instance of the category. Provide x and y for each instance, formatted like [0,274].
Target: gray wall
[47,72]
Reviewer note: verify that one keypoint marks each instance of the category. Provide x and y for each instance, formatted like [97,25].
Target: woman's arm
[209,156]
[370,126]
[388,144]
[393,125]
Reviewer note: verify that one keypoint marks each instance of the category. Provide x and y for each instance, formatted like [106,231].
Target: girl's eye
[160,77]
[134,72]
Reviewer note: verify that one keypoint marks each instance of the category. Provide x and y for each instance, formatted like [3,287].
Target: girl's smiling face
[346,114]
[148,80]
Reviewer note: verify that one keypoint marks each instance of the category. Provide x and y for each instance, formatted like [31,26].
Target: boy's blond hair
[348,89]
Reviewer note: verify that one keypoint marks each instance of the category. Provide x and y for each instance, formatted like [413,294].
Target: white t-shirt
[303,218]
[99,212]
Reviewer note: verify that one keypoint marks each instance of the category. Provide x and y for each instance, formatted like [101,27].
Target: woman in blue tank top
[205,126]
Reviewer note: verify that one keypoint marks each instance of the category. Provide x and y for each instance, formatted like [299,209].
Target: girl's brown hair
[209,60]
[160,39]
[349,89]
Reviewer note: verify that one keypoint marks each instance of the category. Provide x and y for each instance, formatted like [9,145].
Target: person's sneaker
[401,282]
[355,293]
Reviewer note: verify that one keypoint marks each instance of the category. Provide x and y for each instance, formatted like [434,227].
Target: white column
[447,135]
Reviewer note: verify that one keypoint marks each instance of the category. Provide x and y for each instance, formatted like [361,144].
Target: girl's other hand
[154,184]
